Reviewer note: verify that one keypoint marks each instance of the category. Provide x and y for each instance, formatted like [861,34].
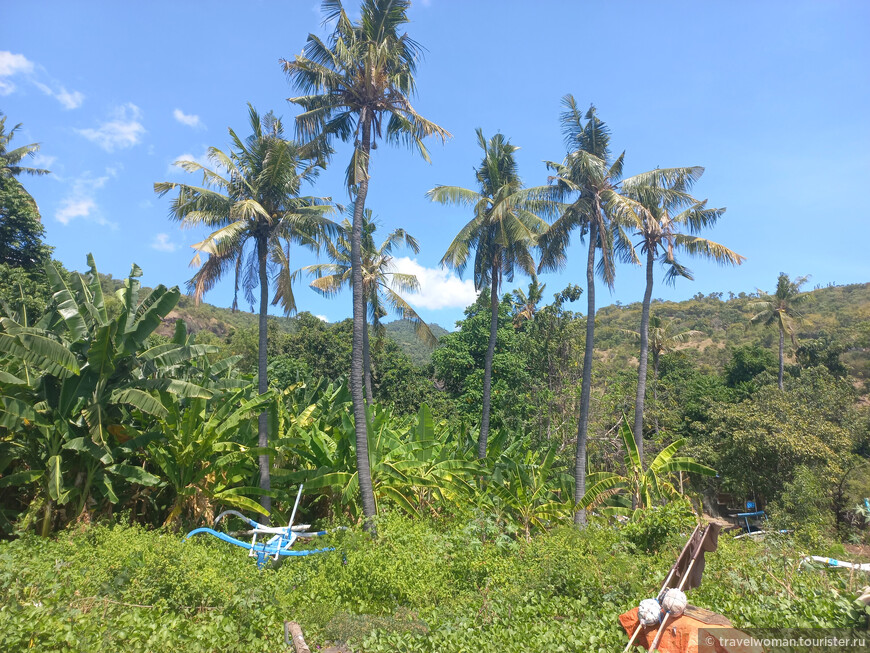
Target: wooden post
[683,580]
[664,587]
[293,631]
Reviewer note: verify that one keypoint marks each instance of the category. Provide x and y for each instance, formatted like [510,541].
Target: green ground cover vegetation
[521,479]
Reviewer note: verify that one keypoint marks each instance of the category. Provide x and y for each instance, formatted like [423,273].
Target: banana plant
[532,489]
[78,384]
[613,494]
[205,454]
[414,464]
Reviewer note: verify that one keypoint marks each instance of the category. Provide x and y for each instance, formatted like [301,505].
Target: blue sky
[771,97]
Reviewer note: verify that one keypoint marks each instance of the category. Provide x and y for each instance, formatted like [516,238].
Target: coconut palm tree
[10,159]
[357,86]
[527,305]
[381,282]
[662,340]
[780,310]
[658,207]
[251,199]
[503,233]
[588,177]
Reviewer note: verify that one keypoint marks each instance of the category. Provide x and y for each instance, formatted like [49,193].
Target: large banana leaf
[43,353]
[66,304]
[139,399]
[134,474]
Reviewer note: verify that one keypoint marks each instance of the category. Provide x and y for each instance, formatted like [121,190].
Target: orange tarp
[682,635]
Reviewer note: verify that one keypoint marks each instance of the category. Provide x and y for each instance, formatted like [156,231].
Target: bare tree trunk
[585,393]
[262,380]
[367,362]
[644,355]
[487,366]
[364,474]
[781,342]
[656,391]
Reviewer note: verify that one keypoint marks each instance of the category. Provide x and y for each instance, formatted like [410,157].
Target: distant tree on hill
[779,311]
[526,305]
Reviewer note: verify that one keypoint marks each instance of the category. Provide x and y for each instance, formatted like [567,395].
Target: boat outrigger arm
[283,537]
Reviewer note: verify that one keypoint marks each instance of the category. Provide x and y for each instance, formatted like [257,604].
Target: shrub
[650,530]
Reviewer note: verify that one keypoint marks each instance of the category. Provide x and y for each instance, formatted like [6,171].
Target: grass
[424,586]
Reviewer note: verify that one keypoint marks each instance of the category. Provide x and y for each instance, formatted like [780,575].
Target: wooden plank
[706,616]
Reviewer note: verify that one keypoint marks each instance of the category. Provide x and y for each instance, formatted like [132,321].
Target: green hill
[402,332]
[223,321]
[840,314]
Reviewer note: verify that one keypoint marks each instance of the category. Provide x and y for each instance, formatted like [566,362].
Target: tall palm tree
[10,159]
[251,198]
[657,205]
[588,176]
[503,232]
[357,87]
[780,310]
[527,304]
[662,340]
[381,282]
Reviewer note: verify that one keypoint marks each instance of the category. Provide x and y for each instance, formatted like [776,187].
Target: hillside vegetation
[837,313]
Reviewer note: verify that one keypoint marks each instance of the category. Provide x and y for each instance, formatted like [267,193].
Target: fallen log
[293,633]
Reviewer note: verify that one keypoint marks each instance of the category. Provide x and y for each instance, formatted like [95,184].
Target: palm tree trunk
[781,342]
[367,361]
[262,380]
[585,393]
[487,366]
[656,391]
[644,355]
[364,474]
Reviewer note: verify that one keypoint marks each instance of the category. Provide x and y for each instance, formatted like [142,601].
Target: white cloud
[162,243]
[69,100]
[202,160]
[322,317]
[123,131]
[81,202]
[438,287]
[72,207]
[12,64]
[191,120]
[42,161]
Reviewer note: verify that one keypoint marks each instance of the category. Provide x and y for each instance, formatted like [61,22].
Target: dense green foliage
[422,587]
